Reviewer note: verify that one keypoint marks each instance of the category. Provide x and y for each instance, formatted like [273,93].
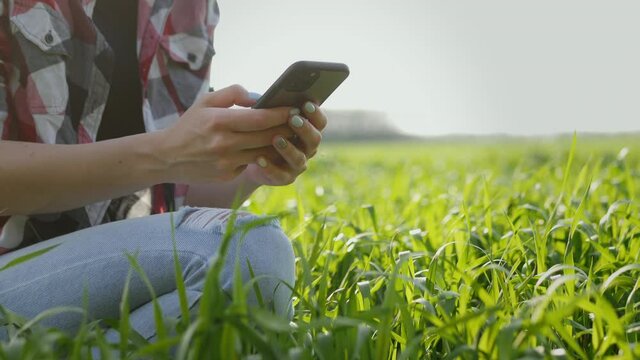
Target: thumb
[227,97]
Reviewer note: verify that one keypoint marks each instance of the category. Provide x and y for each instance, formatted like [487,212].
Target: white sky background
[451,67]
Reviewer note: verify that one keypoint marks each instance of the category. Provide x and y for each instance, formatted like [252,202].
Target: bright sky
[442,67]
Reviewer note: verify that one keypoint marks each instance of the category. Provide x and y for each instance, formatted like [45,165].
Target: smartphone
[304,81]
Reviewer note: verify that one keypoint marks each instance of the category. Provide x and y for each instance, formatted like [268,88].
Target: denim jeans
[91,264]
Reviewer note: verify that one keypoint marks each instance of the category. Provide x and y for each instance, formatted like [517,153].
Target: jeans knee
[267,252]
[260,246]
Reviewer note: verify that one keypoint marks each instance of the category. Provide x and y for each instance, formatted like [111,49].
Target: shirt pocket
[41,34]
[189,50]
[187,58]
[188,33]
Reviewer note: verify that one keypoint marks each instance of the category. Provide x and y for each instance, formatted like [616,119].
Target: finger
[295,158]
[251,156]
[258,139]
[246,120]
[227,97]
[316,116]
[238,170]
[307,134]
[275,174]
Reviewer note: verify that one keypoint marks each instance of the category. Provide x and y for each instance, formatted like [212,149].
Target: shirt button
[48,38]
[192,57]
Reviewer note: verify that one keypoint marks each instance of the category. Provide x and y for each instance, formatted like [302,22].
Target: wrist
[152,157]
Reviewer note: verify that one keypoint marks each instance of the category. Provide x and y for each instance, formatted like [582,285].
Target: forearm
[42,178]
[220,195]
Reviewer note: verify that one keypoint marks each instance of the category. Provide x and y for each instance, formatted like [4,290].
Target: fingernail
[294,111]
[296,121]
[254,96]
[262,162]
[309,107]
[281,143]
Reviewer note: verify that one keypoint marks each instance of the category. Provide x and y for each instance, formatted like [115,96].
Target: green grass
[509,249]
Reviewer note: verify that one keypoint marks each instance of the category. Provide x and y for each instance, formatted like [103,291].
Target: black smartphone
[304,81]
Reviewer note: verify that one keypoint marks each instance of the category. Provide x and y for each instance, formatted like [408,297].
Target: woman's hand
[212,143]
[294,151]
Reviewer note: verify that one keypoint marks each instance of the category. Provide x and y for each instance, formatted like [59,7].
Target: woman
[107,126]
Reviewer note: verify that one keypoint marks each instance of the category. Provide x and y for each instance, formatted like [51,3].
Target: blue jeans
[91,263]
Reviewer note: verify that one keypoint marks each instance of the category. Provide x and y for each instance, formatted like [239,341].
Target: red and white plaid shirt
[54,82]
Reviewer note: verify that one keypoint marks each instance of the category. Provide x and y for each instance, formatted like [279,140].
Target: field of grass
[473,250]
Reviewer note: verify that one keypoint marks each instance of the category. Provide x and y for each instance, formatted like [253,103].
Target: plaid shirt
[55,73]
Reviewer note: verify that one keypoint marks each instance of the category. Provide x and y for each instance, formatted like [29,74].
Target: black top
[117,21]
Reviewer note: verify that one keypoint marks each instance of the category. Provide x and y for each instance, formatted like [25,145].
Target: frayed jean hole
[247,221]
[182,214]
[202,218]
